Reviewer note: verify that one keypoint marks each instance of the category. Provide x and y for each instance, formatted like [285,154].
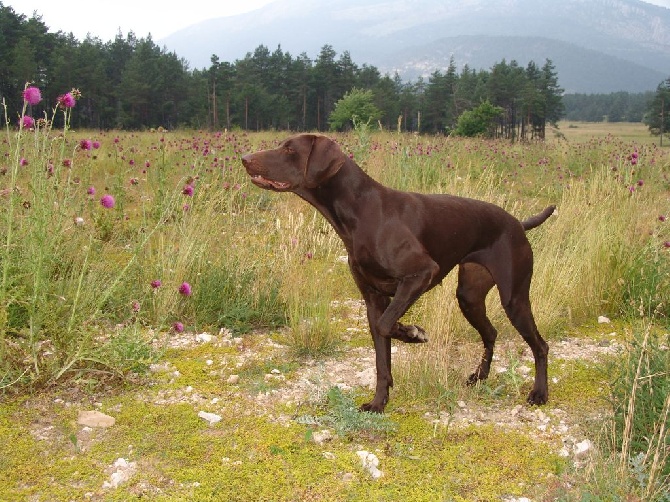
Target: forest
[131,83]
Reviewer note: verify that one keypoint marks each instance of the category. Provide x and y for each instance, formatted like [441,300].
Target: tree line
[132,83]
[612,107]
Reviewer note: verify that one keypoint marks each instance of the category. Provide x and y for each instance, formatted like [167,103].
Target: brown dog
[402,244]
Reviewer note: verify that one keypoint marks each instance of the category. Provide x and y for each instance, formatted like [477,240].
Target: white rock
[233,379]
[122,473]
[370,463]
[603,319]
[582,448]
[203,337]
[212,418]
[95,419]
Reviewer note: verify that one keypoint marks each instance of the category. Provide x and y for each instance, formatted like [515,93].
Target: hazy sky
[103,19]
[160,18]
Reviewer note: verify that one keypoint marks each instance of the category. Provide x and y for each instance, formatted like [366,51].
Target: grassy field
[627,131]
[119,249]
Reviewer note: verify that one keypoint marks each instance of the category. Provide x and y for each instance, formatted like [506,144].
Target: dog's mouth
[262,182]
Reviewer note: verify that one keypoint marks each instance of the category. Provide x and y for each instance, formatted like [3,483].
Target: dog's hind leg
[474,283]
[519,312]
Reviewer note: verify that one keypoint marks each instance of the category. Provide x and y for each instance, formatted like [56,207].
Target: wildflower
[23,162]
[661,217]
[79,221]
[666,244]
[27,122]
[85,144]
[135,306]
[178,327]
[107,201]
[66,100]
[185,289]
[188,190]
[640,183]
[67,163]
[32,95]
[90,190]
[156,283]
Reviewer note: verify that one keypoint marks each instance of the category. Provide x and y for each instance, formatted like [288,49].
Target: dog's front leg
[376,304]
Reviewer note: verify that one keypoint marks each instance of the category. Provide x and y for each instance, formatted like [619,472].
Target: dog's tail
[538,219]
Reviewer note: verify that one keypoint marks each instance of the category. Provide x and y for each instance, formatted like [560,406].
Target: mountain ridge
[627,41]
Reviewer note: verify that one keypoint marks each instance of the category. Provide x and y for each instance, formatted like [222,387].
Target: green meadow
[120,250]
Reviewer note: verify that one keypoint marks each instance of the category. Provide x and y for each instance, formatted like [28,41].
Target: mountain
[597,46]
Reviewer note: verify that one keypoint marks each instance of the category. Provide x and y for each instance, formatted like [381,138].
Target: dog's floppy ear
[325,159]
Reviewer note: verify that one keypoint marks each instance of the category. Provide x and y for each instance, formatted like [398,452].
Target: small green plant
[345,418]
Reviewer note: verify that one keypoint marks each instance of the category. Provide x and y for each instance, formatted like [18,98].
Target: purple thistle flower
[185,289]
[90,190]
[96,145]
[66,100]
[178,327]
[27,122]
[23,162]
[188,190]
[135,306]
[156,283]
[32,95]
[107,201]
[85,144]
[661,217]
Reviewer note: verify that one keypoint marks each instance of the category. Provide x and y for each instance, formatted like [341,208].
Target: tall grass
[641,404]
[76,296]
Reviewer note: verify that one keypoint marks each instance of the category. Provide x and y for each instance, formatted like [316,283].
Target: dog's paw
[409,334]
[373,407]
[538,397]
[472,379]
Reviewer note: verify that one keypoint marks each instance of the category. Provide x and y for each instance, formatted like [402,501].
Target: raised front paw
[409,334]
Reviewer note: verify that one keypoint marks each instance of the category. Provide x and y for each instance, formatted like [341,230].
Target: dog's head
[302,161]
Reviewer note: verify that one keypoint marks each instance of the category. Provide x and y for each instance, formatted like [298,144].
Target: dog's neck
[344,196]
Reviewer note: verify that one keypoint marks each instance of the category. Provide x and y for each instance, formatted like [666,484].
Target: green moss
[581,386]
